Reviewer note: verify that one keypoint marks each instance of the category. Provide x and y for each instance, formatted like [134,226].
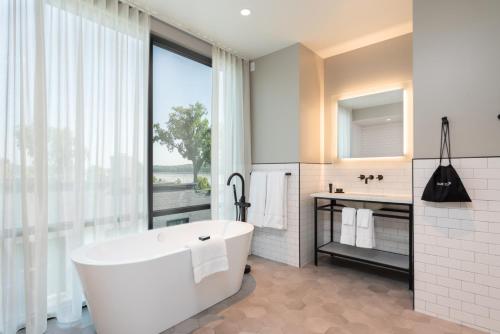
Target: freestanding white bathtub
[144,283]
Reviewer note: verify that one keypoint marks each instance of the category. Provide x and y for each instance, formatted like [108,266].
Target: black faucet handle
[380,177]
[361,177]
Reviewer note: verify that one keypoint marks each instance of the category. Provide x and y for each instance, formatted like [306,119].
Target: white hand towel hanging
[365,229]
[348,228]
[257,198]
[208,257]
[276,201]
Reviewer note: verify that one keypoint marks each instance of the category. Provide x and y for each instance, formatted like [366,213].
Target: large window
[180,137]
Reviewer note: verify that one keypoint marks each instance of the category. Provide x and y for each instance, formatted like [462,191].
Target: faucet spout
[242,181]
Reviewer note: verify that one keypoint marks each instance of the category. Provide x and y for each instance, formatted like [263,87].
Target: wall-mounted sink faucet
[366,178]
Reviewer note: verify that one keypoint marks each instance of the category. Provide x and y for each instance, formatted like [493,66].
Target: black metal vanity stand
[383,259]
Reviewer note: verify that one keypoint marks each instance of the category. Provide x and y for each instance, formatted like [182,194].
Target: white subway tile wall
[312,180]
[391,234]
[397,176]
[381,140]
[278,245]
[457,247]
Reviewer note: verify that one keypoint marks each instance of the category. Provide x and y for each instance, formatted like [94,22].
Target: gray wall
[311,97]
[457,74]
[287,96]
[378,65]
[275,107]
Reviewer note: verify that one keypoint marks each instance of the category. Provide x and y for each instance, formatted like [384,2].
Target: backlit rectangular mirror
[371,126]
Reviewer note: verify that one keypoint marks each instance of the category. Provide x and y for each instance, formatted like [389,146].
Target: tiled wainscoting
[295,246]
[277,245]
[391,234]
[397,176]
[457,247]
[312,180]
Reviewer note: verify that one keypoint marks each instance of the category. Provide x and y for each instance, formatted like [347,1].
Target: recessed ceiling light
[245,12]
[388,119]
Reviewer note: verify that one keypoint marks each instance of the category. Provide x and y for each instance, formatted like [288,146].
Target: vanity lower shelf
[391,261]
[376,257]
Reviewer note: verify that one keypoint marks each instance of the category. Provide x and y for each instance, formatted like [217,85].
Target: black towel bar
[287,173]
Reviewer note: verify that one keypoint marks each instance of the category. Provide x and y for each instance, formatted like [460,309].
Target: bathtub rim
[79,255]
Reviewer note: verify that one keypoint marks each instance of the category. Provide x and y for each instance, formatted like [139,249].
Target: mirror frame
[407,120]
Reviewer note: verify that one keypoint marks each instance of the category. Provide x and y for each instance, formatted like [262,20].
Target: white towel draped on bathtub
[257,197]
[365,229]
[208,257]
[276,201]
[348,228]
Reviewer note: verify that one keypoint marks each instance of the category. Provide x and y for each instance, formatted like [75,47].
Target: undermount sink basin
[356,196]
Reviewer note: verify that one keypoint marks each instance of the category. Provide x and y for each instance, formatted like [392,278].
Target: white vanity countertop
[379,198]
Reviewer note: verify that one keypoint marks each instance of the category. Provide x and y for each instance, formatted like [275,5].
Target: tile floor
[339,299]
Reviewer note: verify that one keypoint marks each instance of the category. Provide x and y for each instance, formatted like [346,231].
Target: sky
[177,81]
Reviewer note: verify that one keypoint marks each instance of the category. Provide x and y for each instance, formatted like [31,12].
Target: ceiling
[328,27]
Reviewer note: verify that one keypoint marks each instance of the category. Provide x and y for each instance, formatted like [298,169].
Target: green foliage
[188,132]
[157,179]
[203,183]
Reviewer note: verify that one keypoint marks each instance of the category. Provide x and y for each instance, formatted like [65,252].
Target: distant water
[173,177]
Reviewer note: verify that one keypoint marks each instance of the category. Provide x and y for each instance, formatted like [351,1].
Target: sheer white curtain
[230,128]
[97,65]
[73,158]
[23,167]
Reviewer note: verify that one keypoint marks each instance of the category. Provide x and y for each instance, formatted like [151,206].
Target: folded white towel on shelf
[208,257]
[365,229]
[276,201]
[348,228]
[257,198]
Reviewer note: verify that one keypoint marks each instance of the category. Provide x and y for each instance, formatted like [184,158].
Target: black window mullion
[158,41]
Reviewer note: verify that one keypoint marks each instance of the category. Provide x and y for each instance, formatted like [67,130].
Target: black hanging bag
[445,184]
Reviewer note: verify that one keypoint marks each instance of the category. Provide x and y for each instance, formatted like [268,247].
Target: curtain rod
[198,35]
[134,5]
[181,28]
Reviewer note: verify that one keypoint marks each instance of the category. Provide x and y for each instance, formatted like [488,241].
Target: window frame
[155,40]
